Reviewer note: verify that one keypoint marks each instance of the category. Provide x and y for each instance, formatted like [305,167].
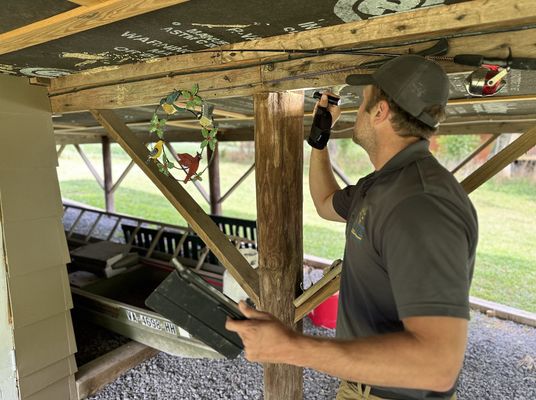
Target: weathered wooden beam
[90,166]
[108,180]
[93,376]
[77,20]
[122,176]
[60,150]
[146,83]
[440,21]
[318,298]
[502,159]
[492,99]
[484,127]
[236,184]
[200,222]
[476,152]
[87,2]
[214,180]
[279,181]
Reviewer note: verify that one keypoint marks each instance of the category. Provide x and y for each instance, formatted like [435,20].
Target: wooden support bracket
[510,153]
[60,150]
[200,222]
[122,176]
[236,184]
[90,166]
[475,153]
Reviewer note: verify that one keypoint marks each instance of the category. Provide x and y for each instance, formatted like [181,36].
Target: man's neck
[388,149]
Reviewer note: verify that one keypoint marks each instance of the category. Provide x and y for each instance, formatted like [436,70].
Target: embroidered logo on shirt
[358,228]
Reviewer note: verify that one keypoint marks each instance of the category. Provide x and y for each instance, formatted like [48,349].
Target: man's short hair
[404,123]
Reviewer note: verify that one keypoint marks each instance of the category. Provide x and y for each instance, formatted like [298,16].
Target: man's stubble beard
[365,137]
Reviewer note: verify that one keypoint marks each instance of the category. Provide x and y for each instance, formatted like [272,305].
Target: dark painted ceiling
[186,27]
[202,24]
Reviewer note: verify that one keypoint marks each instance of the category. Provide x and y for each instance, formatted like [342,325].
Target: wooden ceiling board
[195,25]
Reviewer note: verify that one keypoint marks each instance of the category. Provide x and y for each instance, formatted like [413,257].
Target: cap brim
[360,79]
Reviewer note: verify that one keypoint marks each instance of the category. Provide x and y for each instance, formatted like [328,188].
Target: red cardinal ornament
[190,163]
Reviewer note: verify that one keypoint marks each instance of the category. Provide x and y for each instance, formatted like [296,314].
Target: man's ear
[382,111]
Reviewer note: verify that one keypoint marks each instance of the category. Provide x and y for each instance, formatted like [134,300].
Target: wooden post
[214,180]
[279,181]
[107,168]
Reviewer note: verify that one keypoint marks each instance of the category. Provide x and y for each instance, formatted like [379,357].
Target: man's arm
[322,183]
[427,355]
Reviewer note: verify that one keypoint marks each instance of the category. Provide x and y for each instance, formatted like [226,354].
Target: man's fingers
[233,325]
[323,100]
[251,313]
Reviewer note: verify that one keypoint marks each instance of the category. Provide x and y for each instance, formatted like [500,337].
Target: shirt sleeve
[342,200]
[429,258]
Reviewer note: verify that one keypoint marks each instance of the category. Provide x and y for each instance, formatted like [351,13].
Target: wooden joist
[80,19]
[200,222]
[145,83]
[507,155]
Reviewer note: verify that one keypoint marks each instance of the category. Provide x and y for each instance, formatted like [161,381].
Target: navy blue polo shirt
[411,236]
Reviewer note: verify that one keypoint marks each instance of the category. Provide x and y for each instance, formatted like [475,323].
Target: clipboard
[194,305]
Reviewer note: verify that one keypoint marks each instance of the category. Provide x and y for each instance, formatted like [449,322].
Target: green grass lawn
[506,257]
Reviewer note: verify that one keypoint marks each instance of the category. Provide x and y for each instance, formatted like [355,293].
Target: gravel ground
[500,364]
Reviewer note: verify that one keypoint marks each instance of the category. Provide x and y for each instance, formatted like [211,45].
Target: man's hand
[335,111]
[265,338]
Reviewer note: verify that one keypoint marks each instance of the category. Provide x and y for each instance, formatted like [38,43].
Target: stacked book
[104,258]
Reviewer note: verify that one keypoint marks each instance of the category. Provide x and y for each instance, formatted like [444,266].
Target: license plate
[154,323]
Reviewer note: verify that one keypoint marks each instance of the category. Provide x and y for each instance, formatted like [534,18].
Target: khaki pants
[356,391]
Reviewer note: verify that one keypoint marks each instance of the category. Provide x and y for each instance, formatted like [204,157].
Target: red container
[325,314]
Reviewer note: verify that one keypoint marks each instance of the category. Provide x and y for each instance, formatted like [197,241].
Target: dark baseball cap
[412,82]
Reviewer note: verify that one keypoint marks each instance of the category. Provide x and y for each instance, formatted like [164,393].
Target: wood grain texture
[423,23]
[214,180]
[77,20]
[502,159]
[109,198]
[93,376]
[310,304]
[319,71]
[279,182]
[200,222]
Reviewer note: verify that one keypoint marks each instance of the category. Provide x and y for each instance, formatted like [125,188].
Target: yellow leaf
[168,108]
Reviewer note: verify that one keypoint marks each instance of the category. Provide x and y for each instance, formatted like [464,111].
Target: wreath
[203,112]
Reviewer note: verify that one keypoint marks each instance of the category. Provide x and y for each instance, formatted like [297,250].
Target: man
[411,236]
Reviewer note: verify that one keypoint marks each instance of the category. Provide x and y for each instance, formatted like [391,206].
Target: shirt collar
[413,152]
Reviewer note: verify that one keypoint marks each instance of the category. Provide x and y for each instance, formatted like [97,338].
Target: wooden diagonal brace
[495,164]
[500,160]
[475,153]
[200,222]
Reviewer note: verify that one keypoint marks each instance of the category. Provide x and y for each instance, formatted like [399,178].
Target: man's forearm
[395,360]
[322,182]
